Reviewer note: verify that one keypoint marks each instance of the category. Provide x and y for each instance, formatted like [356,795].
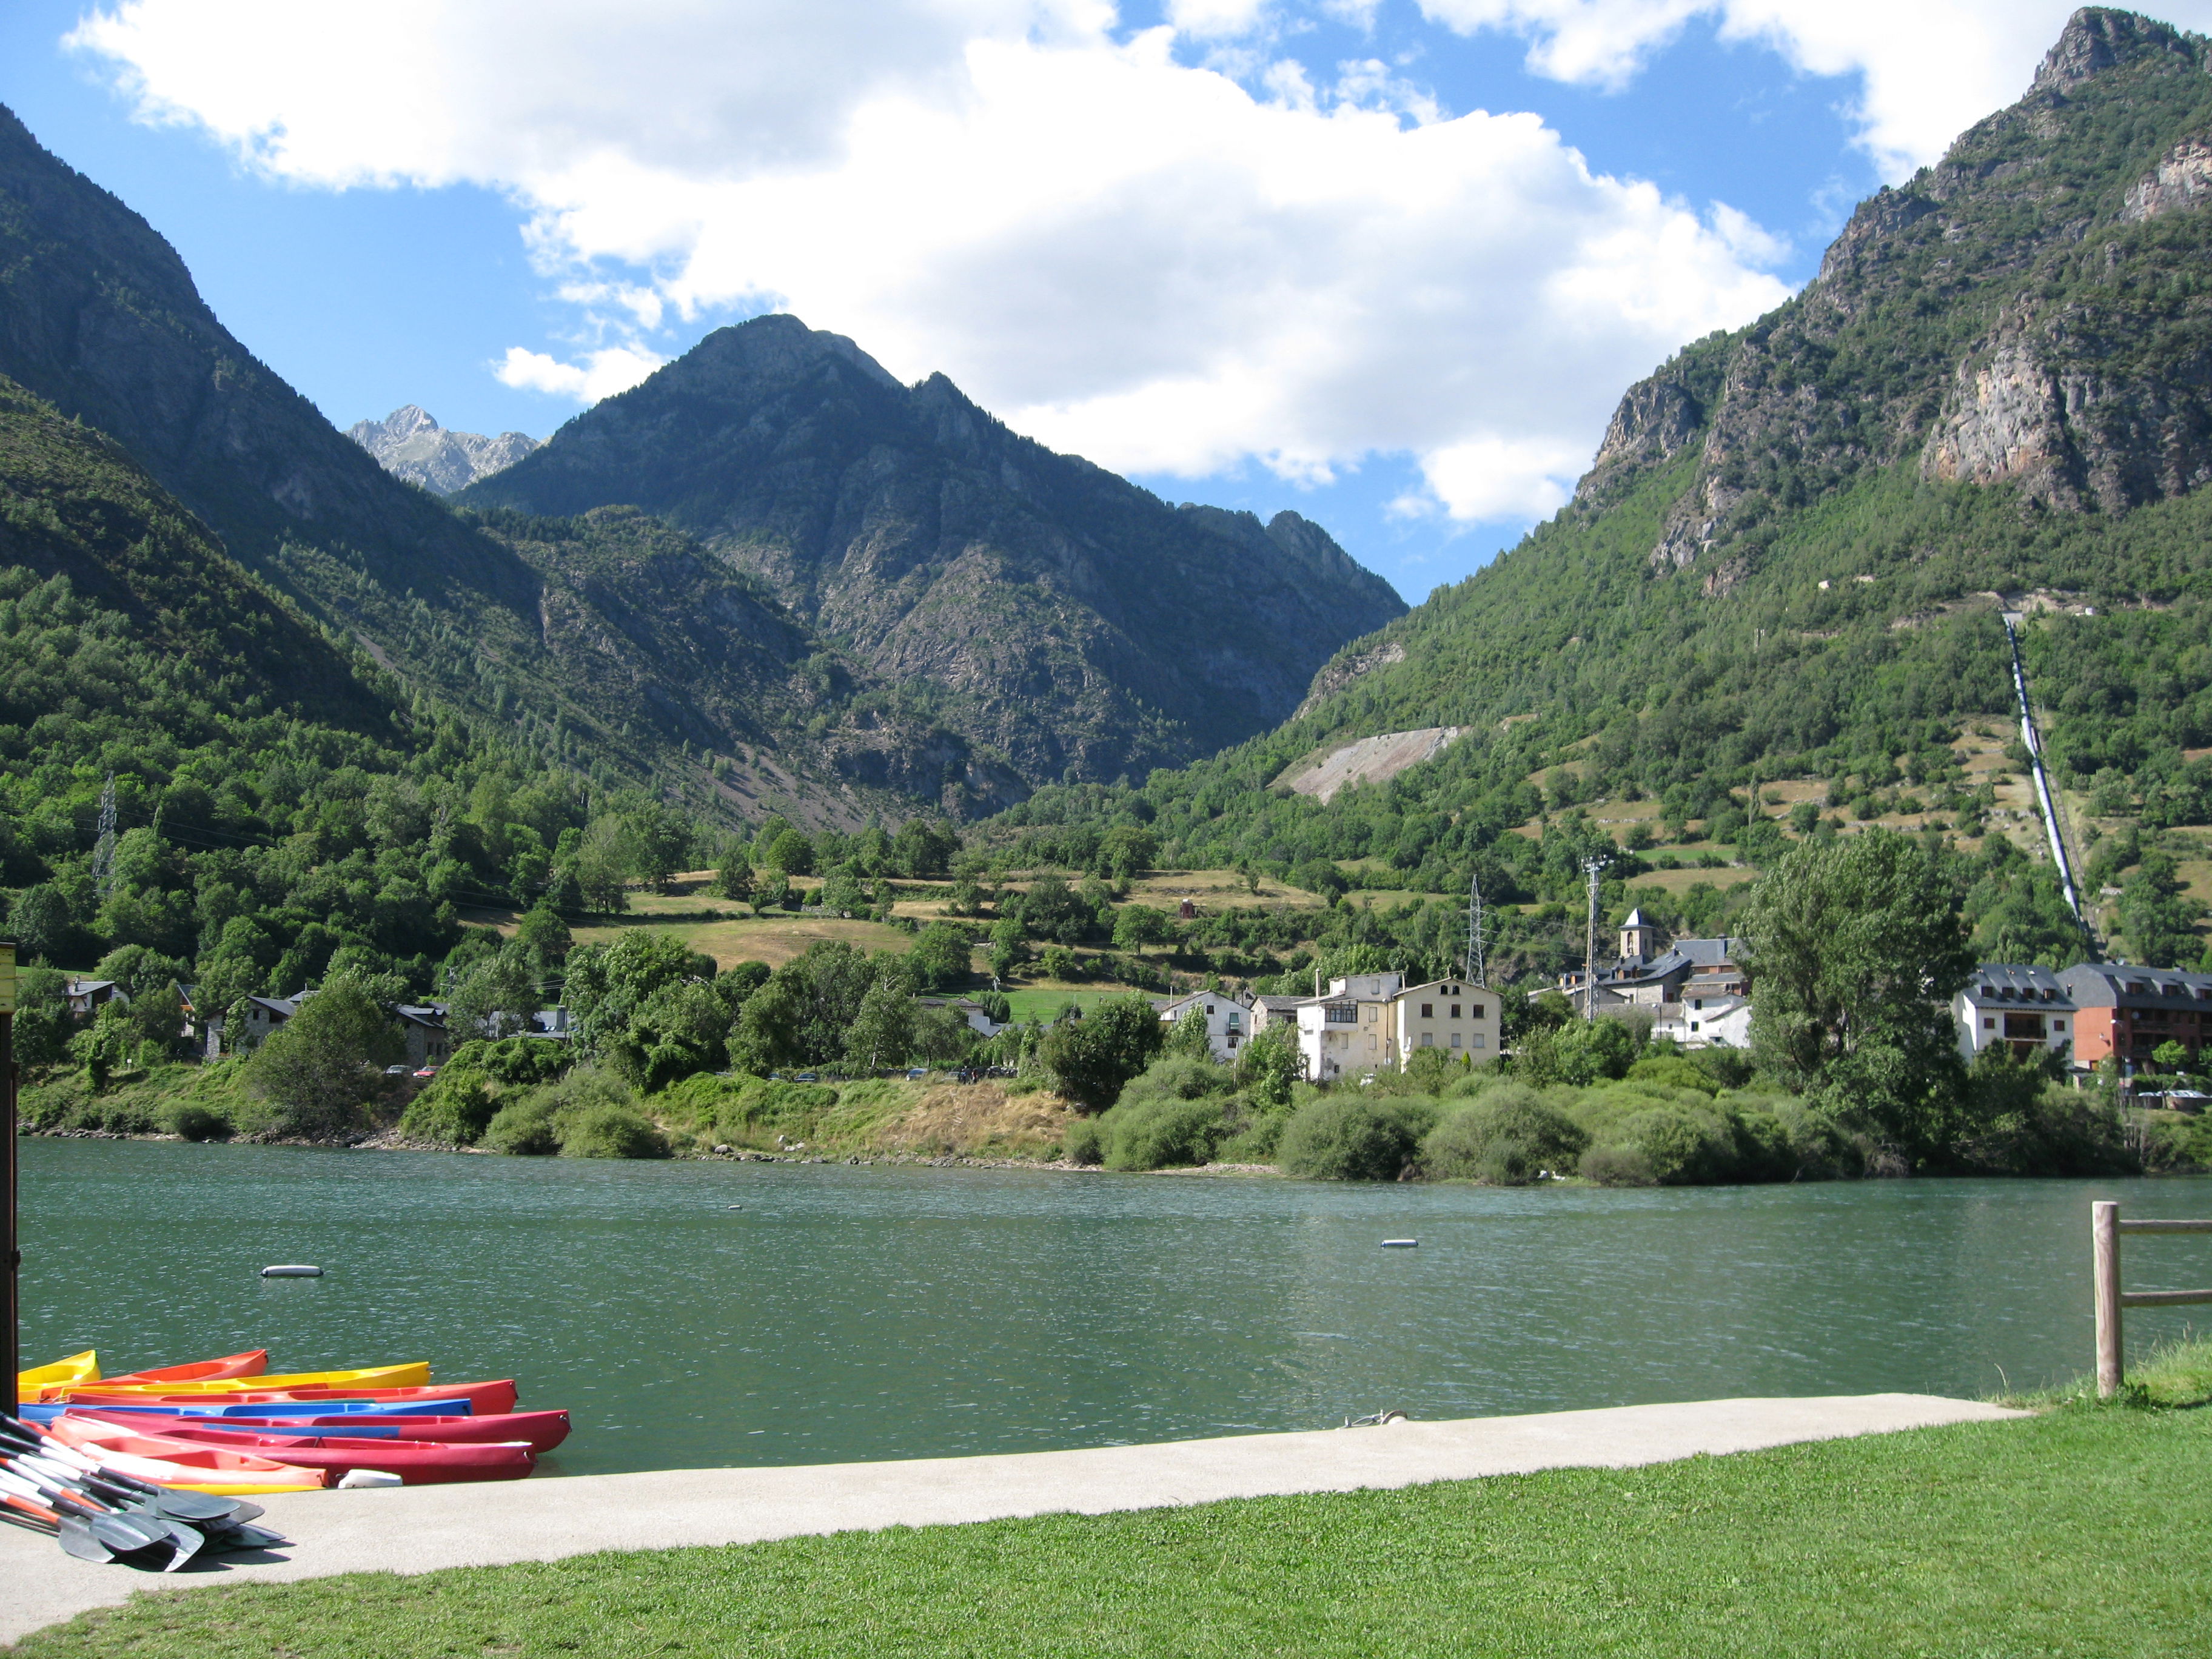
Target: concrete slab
[413,1529]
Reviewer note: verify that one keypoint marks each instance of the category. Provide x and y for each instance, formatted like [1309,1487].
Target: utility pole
[1477,942]
[1592,866]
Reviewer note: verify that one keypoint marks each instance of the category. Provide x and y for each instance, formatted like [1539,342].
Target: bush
[1161,1133]
[1616,1166]
[524,1129]
[1504,1139]
[1085,1143]
[456,1108]
[609,1130]
[194,1121]
[1341,1137]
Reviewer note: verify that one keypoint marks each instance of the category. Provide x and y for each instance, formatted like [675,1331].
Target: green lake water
[858,1313]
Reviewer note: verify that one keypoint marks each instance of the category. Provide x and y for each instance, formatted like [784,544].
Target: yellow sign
[7,978]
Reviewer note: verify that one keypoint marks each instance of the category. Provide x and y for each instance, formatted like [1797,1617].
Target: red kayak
[252,1363]
[416,1462]
[484,1398]
[540,1430]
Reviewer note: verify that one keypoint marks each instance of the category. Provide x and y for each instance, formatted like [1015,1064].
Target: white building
[978,1017]
[1228,1021]
[1719,1020]
[2018,1005]
[1369,1023]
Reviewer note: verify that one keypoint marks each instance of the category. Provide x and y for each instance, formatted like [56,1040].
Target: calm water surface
[848,1313]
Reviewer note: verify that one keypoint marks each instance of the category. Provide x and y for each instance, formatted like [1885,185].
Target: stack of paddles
[224,1425]
[101,1513]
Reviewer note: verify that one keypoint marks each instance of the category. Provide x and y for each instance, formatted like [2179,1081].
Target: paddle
[121,1535]
[55,1482]
[173,1505]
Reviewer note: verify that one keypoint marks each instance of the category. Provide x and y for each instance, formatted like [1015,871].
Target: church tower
[1638,937]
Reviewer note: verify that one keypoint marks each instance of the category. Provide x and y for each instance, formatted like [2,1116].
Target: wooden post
[2105,1268]
[10,1258]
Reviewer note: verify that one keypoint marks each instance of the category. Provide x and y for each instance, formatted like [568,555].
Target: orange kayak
[218,1470]
[370,1376]
[482,1397]
[252,1363]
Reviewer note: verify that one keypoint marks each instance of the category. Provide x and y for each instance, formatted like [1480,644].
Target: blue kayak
[214,1407]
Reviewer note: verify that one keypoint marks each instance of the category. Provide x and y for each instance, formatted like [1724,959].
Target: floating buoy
[1402,1244]
[733,1206]
[292,1272]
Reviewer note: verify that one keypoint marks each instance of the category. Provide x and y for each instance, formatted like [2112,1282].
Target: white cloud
[1930,69]
[1128,255]
[601,374]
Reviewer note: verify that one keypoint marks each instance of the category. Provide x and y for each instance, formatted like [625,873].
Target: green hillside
[1786,564]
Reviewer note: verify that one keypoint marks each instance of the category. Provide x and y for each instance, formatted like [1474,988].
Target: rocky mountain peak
[409,444]
[2098,38]
[776,347]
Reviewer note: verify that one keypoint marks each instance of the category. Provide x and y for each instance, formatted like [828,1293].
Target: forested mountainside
[1787,559]
[608,642]
[1069,619]
[281,803]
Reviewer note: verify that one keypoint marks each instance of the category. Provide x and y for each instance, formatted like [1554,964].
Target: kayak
[219,1470]
[130,1406]
[481,1397]
[376,1376]
[540,1430]
[252,1363]
[416,1462]
[77,1368]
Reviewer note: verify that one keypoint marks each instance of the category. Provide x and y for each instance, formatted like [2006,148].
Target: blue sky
[367,293]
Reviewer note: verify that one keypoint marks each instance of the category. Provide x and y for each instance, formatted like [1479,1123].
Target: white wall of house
[1228,1021]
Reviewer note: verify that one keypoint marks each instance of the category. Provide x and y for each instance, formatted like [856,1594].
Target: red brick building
[2126,1013]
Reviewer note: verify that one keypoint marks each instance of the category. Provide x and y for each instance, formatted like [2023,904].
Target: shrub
[1673,1072]
[1085,1143]
[1616,1166]
[609,1130]
[1504,1139]
[1341,1137]
[524,1129]
[1161,1133]
[456,1108]
[194,1121]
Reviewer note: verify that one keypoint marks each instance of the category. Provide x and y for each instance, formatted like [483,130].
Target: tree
[1267,1065]
[41,924]
[941,957]
[495,996]
[1854,948]
[323,1066]
[768,1032]
[1190,1035]
[661,844]
[608,983]
[1127,850]
[605,854]
[2158,916]
[734,880]
[546,938]
[923,848]
[1089,1060]
[942,1037]
[1137,926]
[792,854]
[883,1032]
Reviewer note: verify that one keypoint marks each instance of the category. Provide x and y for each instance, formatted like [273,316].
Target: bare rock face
[2098,38]
[2182,180]
[409,444]
[2006,423]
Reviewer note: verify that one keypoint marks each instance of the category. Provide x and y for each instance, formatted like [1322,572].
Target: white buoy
[1401,1243]
[294,1272]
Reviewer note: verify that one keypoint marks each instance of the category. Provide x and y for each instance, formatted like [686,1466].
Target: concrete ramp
[412,1529]
[1370,760]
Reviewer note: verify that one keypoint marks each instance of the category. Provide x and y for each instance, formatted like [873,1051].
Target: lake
[883,1312]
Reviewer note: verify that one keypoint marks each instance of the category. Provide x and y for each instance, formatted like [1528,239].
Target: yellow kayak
[77,1368]
[412,1376]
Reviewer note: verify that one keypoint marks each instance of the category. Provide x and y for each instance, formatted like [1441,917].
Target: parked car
[915,1073]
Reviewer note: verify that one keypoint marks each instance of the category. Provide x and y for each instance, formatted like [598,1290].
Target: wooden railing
[2105,1230]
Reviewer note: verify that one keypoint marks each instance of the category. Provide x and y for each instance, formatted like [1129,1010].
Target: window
[1989,1026]
[1428,1011]
[1209,1011]
[1455,1039]
[1340,1013]
[1454,1011]
[2057,1024]
[1475,1042]
[1428,1039]
[1232,1039]
[1693,1026]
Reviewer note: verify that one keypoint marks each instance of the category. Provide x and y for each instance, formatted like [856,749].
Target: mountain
[1055,612]
[409,444]
[608,643]
[1786,564]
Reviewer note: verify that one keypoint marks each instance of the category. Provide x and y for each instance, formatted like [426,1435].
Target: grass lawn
[2082,1532]
[1044,1003]
[773,938]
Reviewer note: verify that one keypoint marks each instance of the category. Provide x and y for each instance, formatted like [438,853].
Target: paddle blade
[188,1543]
[77,1539]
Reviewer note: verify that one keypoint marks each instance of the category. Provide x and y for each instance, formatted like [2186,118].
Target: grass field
[773,938]
[2081,1532]
[1044,1003]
